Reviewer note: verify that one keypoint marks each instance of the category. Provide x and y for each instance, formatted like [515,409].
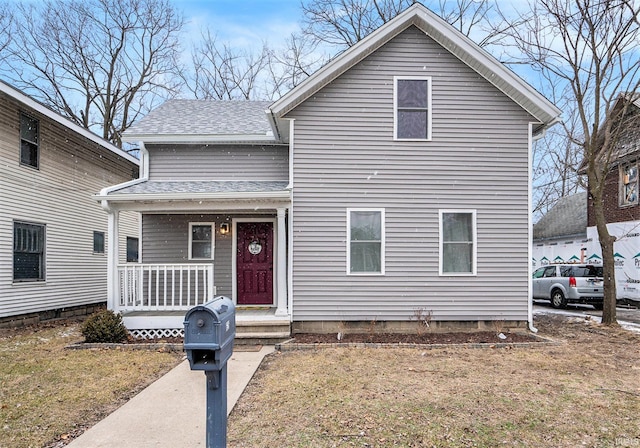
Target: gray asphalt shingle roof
[568,217]
[230,186]
[205,117]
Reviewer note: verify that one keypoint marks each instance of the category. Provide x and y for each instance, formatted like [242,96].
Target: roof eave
[44,110]
[191,197]
[199,138]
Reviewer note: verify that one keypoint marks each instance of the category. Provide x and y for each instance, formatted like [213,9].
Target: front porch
[253,325]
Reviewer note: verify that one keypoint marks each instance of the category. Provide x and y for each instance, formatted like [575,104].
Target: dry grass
[48,393]
[583,392]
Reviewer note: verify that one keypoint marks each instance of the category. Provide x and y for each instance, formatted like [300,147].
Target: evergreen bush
[104,326]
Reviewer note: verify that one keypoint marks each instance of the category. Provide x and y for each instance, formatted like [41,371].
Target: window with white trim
[412,108]
[365,234]
[201,240]
[628,184]
[458,235]
[29,148]
[28,251]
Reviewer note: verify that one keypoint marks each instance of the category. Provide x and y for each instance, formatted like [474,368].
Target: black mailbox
[209,331]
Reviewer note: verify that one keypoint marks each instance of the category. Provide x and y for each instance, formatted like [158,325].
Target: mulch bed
[480,337]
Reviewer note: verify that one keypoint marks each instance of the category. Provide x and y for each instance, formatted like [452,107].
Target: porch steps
[266,332]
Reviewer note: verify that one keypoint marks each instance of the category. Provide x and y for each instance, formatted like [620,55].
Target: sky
[242,23]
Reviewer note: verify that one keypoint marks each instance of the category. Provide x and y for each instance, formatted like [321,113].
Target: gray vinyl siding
[213,162]
[345,156]
[58,195]
[165,239]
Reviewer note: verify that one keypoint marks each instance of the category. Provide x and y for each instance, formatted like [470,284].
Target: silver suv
[569,283]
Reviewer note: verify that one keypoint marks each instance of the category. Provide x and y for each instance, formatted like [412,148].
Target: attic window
[412,108]
[629,184]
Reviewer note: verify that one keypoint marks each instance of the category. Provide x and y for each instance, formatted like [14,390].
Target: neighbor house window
[412,108]
[98,242]
[629,184]
[132,249]
[201,242]
[28,251]
[29,153]
[457,242]
[365,233]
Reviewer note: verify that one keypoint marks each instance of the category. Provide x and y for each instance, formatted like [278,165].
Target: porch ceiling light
[224,228]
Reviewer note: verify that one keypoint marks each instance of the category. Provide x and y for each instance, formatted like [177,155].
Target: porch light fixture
[224,228]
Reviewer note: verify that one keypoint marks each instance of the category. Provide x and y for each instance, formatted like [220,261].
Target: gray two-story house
[392,183]
[53,234]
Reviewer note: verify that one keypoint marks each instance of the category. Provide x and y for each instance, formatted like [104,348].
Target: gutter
[144,176]
[191,196]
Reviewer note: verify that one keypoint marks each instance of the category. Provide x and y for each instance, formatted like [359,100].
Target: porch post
[112,261]
[281,310]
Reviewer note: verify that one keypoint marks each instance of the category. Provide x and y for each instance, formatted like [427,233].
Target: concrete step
[264,332]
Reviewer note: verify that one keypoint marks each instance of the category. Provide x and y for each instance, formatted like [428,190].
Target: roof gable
[449,38]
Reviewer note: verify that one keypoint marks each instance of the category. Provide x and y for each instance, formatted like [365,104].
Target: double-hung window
[28,251]
[201,240]
[628,184]
[365,236]
[458,251]
[29,148]
[412,108]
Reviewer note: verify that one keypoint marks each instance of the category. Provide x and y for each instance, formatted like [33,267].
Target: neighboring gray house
[394,181]
[53,235]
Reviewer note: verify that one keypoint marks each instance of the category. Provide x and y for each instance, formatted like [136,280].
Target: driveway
[628,318]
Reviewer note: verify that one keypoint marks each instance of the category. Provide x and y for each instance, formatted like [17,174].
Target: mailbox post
[209,331]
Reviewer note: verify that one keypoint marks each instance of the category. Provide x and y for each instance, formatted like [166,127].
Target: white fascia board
[105,191]
[199,138]
[447,36]
[279,195]
[42,109]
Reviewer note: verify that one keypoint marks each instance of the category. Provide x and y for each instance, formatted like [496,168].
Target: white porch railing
[164,287]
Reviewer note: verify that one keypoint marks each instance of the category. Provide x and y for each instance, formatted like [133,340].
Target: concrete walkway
[171,412]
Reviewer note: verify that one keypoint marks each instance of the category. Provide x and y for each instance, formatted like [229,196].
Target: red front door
[254,263]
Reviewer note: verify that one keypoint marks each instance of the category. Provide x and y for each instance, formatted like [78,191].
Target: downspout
[113,230]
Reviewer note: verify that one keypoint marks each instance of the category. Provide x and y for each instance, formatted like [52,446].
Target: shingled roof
[203,118]
[568,218]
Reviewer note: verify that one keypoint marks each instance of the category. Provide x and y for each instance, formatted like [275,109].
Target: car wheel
[557,299]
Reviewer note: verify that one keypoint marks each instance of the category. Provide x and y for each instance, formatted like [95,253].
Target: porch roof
[146,190]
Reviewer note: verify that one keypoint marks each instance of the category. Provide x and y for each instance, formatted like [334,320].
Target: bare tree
[221,72]
[102,63]
[589,50]
[343,23]
[6,20]
[292,65]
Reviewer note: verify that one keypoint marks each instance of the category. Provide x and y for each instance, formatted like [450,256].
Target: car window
[566,271]
[550,271]
[590,271]
[538,273]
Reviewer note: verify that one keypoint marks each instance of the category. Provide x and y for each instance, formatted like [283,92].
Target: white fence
[164,287]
